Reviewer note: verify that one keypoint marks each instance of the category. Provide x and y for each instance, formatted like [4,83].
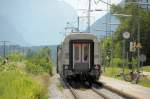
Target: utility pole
[78,22]
[112,37]
[107,20]
[138,37]
[108,27]
[78,27]
[4,48]
[89,16]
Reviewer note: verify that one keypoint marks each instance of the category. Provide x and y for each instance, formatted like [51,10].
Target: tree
[130,24]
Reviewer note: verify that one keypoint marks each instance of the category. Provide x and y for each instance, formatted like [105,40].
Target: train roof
[80,35]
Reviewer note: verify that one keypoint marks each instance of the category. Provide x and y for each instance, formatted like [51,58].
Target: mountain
[99,27]
[8,32]
[39,22]
[16,48]
[100,24]
[53,49]
[54,53]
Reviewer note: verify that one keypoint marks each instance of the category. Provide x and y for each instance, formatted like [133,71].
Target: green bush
[1,60]
[8,67]
[117,62]
[16,57]
[146,68]
[112,71]
[39,62]
[33,68]
[135,62]
[17,85]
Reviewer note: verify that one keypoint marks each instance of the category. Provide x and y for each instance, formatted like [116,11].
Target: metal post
[107,21]
[4,48]
[127,58]
[138,37]
[78,24]
[138,48]
[111,35]
[132,37]
[89,30]
[142,67]
[123,56]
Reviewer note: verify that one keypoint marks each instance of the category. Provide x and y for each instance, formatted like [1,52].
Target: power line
[105,2]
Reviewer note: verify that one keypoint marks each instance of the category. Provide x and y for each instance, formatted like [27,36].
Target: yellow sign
[138,45]
[134,44]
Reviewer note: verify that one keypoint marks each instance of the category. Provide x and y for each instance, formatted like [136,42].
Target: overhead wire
[104,2]
[96,2]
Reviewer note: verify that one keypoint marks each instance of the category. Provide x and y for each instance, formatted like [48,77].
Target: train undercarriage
[90,76]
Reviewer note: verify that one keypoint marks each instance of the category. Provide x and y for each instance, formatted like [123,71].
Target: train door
[81,57]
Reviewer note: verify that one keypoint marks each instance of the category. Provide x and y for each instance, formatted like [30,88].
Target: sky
[81,7]
[95,4]
[42,22]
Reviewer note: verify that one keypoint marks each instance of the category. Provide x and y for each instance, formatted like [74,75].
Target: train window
[77,51]
[85,49]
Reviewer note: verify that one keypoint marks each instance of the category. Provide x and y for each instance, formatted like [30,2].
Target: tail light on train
[97,67]
[66,66]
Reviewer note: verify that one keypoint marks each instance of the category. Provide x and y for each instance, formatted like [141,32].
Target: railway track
[97,91]
[82,94]
[110,93]
[101,94]
[105,92]
[66,84]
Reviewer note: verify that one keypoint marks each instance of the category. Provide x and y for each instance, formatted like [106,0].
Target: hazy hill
[54,53]
[8,32]
[100,24]
[53,49]
[39,22]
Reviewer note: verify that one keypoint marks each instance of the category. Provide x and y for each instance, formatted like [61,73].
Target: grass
[18,85]
[42,79]
[111,71]
[60,86]
[114,71]
[146,68]
[19,80]
[44,82]
[144,81]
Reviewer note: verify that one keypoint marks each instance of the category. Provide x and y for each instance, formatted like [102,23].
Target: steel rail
[72,90]
[99,93]
[118,92]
